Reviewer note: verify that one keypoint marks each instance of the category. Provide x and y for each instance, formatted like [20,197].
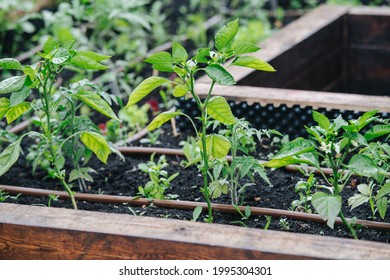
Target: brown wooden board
[369,25]
[291,49]
[31,232]
[316,56]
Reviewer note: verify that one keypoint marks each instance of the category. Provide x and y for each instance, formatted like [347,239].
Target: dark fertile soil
[124,178]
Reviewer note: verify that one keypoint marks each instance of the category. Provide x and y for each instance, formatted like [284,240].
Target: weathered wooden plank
[315,99]
[320,74]
[369,25]
[30,232]
[291,49]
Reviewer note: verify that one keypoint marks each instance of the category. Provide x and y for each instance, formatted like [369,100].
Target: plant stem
[48,132]
[206,167]
[337,192]
[233,180]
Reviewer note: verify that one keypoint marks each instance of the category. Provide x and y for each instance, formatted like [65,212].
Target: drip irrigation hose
[186,205]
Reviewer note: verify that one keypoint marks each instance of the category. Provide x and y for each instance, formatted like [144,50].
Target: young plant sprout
[40,79]
[213,63]
[337,142]
[160,181]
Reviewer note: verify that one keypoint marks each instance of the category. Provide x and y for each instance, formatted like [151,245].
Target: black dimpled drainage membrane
[287,120]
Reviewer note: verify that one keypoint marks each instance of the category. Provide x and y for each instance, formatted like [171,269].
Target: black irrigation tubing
[186,205]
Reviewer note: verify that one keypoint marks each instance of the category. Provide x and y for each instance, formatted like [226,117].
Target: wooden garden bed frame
[32,232]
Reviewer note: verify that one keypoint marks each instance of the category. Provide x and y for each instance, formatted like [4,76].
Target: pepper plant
[213,63]
[226,176]
[37,83]
[337,142]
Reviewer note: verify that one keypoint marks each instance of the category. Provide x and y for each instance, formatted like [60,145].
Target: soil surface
[124,178]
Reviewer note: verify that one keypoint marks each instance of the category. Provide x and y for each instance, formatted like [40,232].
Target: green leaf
[244,47]
[161,61]
[12,84]
[82,173]
[10,63]
[4,106]
[339,122]
[327,206]
[224,37]
[364,166]
[377,131]
[248,211]
[253,62]
[163,118]
[15,112]
[355,136]
[364,189]
[219,110]
[9,156]
[179,53]
[218,74]
[85,62]
[366,118]
[94,101]
[217,188]
[357,200]
[59,56]
[322,120]
[94,55]
[196,213]
[297,151]
[217,146]
[180,91]
[202,54]
[19,96]
[30,72]
[144,88]
[50,45]
[381,204]
[385,190]
[97,144]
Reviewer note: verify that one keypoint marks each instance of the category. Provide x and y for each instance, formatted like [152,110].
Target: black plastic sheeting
[291,121]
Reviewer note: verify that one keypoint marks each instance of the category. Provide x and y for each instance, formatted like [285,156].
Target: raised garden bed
[34,232]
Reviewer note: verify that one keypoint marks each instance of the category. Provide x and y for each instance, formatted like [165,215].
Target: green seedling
[213,64]
[47,103]
[159,182]
[304,189]
[227,176]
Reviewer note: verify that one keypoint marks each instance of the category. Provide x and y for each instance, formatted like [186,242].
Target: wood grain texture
[315,99]
[299,41]
[31,232]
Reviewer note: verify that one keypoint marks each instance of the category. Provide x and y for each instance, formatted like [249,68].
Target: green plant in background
[211,62]
[105,26]
[14,23]
[46,102]
[337,142]
[152,138]
[191,151]
[160,181]
[131,120]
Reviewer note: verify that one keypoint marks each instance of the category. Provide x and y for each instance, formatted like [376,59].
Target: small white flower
[191,63]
